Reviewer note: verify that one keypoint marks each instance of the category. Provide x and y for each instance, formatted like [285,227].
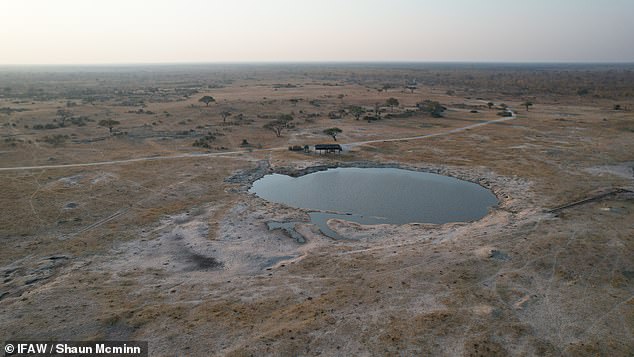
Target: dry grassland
[171,248]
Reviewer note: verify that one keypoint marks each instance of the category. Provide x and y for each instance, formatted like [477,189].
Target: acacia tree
[333,132]
[279,124]
[490,105]
[207,99]
[108,123]
[527,104]
[357,111]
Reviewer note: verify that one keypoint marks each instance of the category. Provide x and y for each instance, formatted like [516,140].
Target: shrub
[432,107]
[55,140]
[583,91]
[204,141]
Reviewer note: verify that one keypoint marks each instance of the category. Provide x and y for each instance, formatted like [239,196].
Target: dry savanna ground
[138,234]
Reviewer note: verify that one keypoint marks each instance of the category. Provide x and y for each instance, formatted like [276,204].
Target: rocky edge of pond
[501,186]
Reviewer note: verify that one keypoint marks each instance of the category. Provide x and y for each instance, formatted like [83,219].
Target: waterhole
[377,196]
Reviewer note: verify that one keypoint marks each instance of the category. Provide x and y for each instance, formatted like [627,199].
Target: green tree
[108,123]
[357,111]
[207,99]
[333,132]
[279,124]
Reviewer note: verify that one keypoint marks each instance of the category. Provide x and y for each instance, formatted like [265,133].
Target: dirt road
[230,153]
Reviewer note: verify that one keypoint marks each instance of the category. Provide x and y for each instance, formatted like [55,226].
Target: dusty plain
[136,234]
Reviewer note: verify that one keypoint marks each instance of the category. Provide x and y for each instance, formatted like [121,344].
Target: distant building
[328,148]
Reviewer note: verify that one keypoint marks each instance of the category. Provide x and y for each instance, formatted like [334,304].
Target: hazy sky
[130,31]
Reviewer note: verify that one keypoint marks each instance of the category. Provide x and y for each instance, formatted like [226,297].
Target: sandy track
[230,153]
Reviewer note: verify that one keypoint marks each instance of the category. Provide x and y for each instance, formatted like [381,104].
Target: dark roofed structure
[328,148]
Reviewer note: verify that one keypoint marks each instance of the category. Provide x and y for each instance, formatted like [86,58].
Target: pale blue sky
[131,31]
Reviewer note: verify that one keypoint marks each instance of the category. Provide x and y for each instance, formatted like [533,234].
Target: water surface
[378,196]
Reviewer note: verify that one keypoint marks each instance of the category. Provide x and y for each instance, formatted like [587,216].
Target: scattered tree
[108,123]
[392,102]
[527,104]
[224,115]
[279,124]
[375,114]
[617,106]
[411,88]
[63,115]
[357,111]
[335,115]
[333,132]
[432,107]
[377,111]
[490,105]
[207,99]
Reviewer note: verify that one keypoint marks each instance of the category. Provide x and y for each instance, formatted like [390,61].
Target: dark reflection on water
[378,196]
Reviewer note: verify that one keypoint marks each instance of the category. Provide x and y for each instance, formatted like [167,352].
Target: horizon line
[96,64]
